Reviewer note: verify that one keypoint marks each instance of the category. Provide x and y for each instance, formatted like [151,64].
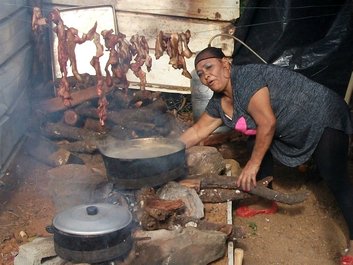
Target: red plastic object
[347,260]
[246,211]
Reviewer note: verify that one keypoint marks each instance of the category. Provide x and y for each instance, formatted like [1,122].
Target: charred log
[62,131]
[95,125]
[78,97]
[153,212]
[144,114]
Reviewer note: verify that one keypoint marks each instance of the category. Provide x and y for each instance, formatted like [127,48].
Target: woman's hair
[209,52]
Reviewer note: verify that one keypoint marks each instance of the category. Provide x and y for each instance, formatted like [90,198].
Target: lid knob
[92,210]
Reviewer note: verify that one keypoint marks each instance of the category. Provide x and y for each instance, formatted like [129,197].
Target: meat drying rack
[82,19]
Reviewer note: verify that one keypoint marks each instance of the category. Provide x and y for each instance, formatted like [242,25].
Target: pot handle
[50,229]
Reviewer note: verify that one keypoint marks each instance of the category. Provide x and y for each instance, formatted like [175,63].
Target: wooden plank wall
[15,66]
[204,18]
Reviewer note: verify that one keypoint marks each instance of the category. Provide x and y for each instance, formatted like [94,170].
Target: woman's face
[214,73]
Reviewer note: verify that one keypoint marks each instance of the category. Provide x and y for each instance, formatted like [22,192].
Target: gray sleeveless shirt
[303,109]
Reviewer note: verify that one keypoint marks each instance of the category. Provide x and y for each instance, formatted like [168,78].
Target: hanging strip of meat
[124,58]
[139,73]
[139,49]
[102,102]
[185,38]
[110,41]
[72,39]
[63,90]
[67,40]
[176,46]
[161,45]
[119,57]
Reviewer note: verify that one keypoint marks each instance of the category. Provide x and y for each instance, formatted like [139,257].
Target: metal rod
[231,36]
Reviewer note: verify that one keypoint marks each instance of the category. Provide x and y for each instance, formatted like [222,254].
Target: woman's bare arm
[261,111]
[200,130]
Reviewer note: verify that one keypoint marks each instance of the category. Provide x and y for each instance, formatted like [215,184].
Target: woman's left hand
[247,178]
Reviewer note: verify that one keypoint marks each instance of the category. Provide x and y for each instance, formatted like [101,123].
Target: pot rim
[119,149]
[78,221]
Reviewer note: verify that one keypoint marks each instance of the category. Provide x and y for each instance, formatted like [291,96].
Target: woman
[291,118]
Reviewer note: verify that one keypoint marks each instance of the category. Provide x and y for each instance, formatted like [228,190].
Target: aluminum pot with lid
[92,233]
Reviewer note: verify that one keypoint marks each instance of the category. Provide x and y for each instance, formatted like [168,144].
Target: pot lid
[92,219]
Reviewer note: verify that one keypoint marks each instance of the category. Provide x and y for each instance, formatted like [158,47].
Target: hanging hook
[228,35]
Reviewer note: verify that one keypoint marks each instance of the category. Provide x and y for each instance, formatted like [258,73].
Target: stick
[230,221]
[238,256]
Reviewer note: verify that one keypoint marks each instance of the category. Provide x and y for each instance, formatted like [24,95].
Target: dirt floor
[311,233]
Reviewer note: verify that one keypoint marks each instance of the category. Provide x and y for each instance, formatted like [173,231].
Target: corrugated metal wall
[15,66]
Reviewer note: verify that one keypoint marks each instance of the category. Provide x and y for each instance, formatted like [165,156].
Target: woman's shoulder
[248,72]
[249,68]
[258,71]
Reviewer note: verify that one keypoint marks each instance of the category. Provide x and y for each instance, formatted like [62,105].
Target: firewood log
[62,131]
[125,116]
[84,146]
[153,213]
[94,125]
[233,232]
[161,209]
[71,117]
[222,195]
[218,188]
[77,97]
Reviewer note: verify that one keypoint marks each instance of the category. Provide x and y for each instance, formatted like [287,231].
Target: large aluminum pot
[92,233]
[137,163]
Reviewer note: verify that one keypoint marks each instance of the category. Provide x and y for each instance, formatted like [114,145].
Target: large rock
[38,252]
[204,160]
[178,247]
